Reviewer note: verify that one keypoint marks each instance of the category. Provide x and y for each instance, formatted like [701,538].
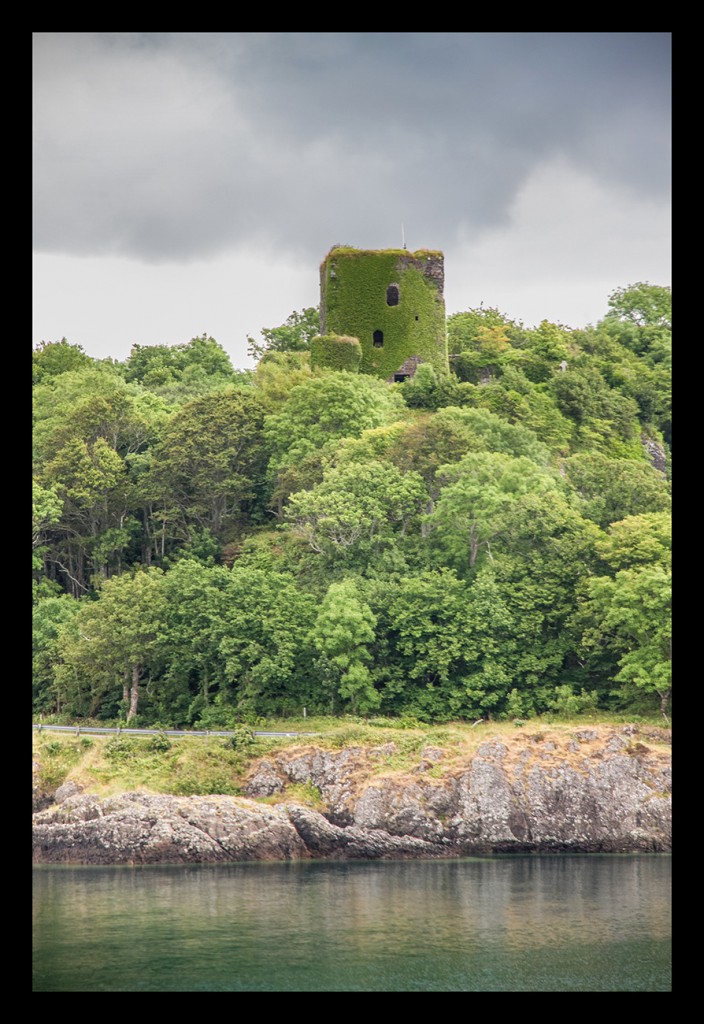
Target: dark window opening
[417,317]
[392,295]
[378,339]
[400,377]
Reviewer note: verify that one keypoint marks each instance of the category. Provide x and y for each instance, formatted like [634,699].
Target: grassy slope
[107,765]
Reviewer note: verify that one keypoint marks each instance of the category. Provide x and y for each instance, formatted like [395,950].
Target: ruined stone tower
[392,301]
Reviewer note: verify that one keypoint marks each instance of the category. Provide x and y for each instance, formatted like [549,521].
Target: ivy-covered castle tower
[392,301]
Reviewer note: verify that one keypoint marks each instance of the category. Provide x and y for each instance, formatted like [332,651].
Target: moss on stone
[355,287]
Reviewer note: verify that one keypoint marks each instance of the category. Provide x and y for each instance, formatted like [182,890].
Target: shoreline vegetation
[110,764]
[358,790]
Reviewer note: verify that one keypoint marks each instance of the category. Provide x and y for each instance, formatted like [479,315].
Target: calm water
[503,924]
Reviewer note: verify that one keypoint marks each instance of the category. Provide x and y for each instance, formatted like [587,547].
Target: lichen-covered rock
[325,840]
[68,789]
[589,790]
[335,773]
[139,828]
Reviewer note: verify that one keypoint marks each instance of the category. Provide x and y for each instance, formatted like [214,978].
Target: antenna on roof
[403,237]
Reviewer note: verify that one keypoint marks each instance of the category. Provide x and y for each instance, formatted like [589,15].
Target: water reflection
[495,924]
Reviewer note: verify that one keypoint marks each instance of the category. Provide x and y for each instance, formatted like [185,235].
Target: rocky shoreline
[592,790]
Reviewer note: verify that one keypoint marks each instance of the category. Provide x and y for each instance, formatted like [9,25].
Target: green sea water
[498,924]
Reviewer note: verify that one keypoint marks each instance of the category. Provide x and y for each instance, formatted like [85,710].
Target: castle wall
[391,300]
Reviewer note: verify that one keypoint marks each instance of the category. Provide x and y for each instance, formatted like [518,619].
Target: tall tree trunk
[147,540]
[425,526]
[134,693]
[664,697]
[473,545]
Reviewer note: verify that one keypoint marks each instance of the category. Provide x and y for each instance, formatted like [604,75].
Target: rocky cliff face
[592,790]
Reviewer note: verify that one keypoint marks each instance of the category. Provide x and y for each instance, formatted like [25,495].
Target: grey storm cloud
[181,146]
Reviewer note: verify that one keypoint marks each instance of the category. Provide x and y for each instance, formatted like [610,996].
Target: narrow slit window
[392,295]
[378,338]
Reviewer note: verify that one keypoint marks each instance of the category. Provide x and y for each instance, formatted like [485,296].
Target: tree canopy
[213,546]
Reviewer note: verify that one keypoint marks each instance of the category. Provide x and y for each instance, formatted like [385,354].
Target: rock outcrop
[586,791]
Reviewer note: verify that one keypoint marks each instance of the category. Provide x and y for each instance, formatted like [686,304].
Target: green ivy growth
[335,352]
[354,293]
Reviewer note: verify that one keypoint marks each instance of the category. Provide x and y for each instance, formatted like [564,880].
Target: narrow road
[80,730]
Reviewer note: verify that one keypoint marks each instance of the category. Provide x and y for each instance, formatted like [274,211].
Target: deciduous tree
[207,466]
[630,614]
[611,489]
[470,512]
[116,640]
[343,631]
[294,335]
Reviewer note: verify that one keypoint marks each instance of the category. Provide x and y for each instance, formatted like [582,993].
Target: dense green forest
[214,546]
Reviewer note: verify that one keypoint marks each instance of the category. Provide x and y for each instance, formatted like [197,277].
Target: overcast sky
[192,183]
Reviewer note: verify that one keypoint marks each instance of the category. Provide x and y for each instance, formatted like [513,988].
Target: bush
[569,704]
[518,705]
[215,716]
[242,739]
[119,749]
[159,744]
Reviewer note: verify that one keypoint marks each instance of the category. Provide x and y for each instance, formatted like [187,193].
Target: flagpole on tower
[403,237]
